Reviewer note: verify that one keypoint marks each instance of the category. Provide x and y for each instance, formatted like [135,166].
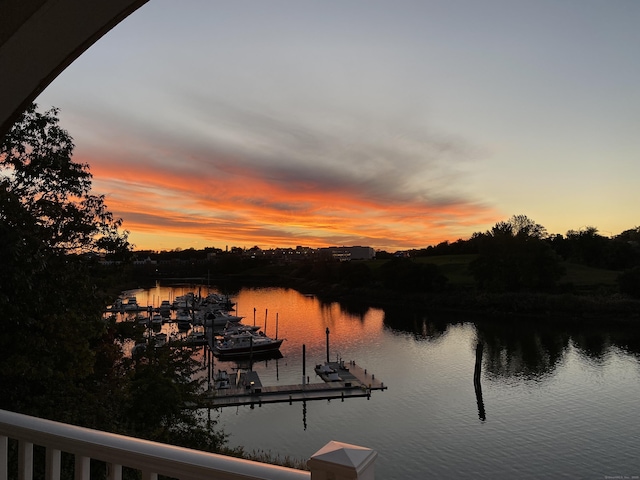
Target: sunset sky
[392,124]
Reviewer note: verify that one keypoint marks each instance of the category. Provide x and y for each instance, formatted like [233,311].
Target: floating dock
[246,388]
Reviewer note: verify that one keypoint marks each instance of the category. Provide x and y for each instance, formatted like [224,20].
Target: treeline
[586,246]
[516,255]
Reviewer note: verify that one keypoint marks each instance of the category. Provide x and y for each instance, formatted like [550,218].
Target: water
[556,402]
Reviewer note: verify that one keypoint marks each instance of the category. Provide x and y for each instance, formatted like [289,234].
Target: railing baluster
[114,471]
[53,464]
[149,476]
[83,468]
[4,457]
[25,460]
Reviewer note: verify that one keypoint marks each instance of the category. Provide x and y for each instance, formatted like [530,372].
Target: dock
[247,389]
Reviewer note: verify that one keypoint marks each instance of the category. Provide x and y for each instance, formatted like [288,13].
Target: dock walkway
[248,390]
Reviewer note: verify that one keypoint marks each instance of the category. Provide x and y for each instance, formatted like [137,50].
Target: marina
[238,346]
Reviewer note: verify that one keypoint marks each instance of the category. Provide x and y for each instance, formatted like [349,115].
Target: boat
[245,344]
[157,319]
[131,305]
[160,339]
[327,373]
[183,319]
[186,301]
[222,380]
[165,308]
[218,318]
[217,301]
[195,338]
[234,328]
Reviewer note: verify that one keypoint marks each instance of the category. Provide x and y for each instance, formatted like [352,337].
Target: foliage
[51,308]
[514,256]
[52,190]
[60,359]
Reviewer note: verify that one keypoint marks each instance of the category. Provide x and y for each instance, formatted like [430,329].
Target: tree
[53,190]
[513,256]
[52,307]
[587,246]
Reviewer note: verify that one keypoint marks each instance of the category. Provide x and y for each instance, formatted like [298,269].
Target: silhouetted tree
[587,247]
[51,308]
[513,256]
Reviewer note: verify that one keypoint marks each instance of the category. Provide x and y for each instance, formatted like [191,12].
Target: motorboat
[131,305]
[327,373]
[183,319]
[219,318]
[216,301]
[165,308]
[232,328]
[245,344]
[157,319]
[221,380]
[195,338]
[160,339]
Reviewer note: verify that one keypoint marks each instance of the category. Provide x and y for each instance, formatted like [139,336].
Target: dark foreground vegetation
[64,258]
[60,358]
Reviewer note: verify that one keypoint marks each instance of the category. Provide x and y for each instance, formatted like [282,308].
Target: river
[555,401]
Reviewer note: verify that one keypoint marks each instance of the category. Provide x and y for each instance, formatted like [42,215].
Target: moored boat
[131,305]
[327,373]
[218,318]
[245,344]
[234,328]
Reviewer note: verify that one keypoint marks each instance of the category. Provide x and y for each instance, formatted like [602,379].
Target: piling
[476,381]
[327,344]
[304,363]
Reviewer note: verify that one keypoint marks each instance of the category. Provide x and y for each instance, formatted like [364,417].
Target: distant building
[146,261]
[344,254]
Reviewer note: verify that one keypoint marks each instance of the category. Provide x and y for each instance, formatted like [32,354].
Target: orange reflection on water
[285,313]
[303,320]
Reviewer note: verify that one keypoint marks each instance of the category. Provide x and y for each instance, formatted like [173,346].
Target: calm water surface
[555,402]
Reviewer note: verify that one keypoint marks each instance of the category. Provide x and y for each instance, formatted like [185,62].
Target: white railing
[335,460]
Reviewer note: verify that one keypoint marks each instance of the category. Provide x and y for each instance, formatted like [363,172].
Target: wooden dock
[247,389]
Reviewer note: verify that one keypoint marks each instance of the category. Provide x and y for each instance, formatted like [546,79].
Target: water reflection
[527,349]
[452,408]
[477,381]
[521,349]
[424,325]
[512,347]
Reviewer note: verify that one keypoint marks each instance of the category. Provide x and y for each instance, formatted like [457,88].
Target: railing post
[341,461]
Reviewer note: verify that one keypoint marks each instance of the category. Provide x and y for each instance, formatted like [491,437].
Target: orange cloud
[204,198]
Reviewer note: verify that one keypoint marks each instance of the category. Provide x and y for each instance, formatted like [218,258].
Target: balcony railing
[335,460]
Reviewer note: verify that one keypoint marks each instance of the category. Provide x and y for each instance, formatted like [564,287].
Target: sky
[390,124]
